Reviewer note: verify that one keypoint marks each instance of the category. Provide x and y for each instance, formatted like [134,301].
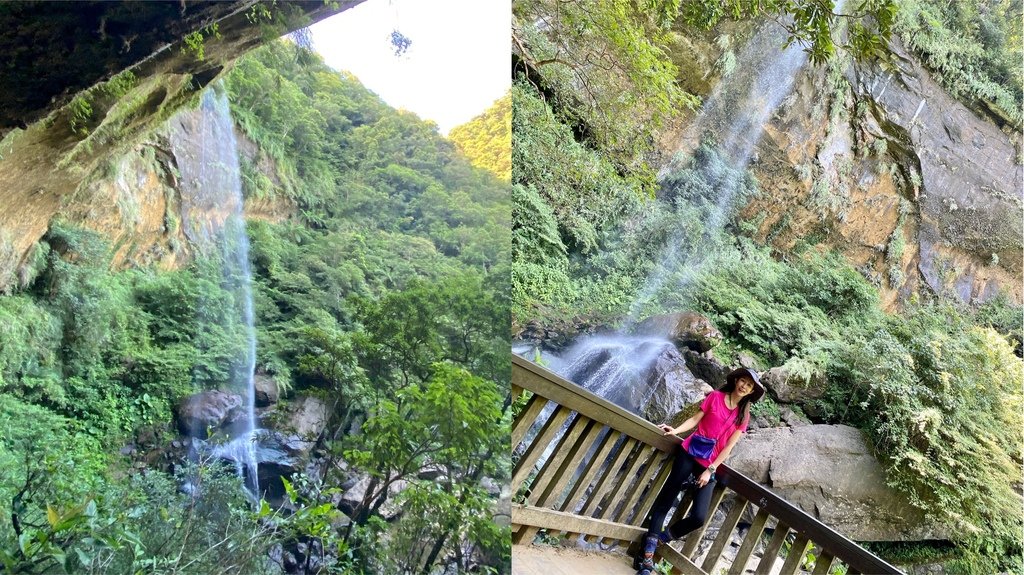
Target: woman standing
[721,422]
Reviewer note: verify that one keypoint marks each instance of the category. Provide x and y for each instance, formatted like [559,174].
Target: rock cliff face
[918,191]
[55,52]
[94,158]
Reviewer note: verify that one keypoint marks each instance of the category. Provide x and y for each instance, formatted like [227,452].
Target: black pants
[682,467]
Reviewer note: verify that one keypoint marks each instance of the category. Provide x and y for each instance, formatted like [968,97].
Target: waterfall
[615,367]
[732,120]
[213,221]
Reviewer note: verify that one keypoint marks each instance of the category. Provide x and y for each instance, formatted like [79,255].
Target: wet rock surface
[267,392]
[706,366]
[207,411]
[687,329]
[673,387]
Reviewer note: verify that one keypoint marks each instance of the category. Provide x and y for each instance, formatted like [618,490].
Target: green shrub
[973,49]
[581,189]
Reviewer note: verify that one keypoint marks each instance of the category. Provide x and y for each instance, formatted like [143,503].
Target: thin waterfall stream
[732,121]
[213,220]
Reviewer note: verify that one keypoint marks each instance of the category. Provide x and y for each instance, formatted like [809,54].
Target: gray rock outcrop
[705,366]
[201,413]
[284,447]
[672,387]
[267,392]
[790,387]
[970,194]
[687,329]
[830,472]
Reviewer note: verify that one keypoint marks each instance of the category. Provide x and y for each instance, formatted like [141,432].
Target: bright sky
[457,65]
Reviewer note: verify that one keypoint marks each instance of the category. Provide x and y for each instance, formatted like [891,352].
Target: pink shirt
[718,423]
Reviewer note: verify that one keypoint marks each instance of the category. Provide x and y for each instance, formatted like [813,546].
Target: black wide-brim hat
[735,374]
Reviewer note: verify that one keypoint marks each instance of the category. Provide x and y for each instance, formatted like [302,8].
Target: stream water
[212,219]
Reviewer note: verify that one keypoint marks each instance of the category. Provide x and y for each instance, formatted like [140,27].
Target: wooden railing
[588,468]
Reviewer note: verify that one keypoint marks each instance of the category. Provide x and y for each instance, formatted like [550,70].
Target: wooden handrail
[840,546]
[552,386]
[551,389]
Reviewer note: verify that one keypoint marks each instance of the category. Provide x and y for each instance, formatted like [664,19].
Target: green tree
[452,423]
[487,139]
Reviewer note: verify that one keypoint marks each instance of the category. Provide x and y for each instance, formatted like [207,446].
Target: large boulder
[706,366]
[267,392]
[201,413]
[279,455]
[303,418]
[290,432]
[352,497]
[792,386]
[830,472]
[308,417]
[687,329]
[672,387]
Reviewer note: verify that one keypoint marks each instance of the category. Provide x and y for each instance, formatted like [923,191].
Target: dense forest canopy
[934,385]
[385,294]
[487,139]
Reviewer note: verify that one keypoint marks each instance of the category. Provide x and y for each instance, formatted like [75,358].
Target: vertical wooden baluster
[604,481]
[664,466]
[796,554]
[526,418]
[724,535]
[771,552]
[516,392]
[590,470]
[636,489]
[564,461]
[618,493]
[749,542]
[608,477]
[540,443]
[519,535]
[549,471]
[823,563]
[520,427]
[569,466]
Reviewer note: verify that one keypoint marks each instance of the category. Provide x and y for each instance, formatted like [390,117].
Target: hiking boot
[644,561]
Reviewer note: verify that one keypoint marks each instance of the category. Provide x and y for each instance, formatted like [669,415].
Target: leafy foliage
[396,236]
[811,24]
[972,47]
[605,67]
[487,139]
[935,386]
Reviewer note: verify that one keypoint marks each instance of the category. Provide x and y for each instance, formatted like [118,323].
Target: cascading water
[213,221]
[615,366]
[732,121]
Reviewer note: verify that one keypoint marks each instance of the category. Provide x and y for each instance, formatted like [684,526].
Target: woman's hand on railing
[667,429]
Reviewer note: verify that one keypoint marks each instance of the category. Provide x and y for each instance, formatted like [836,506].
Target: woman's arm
[722,456]
[685,426]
